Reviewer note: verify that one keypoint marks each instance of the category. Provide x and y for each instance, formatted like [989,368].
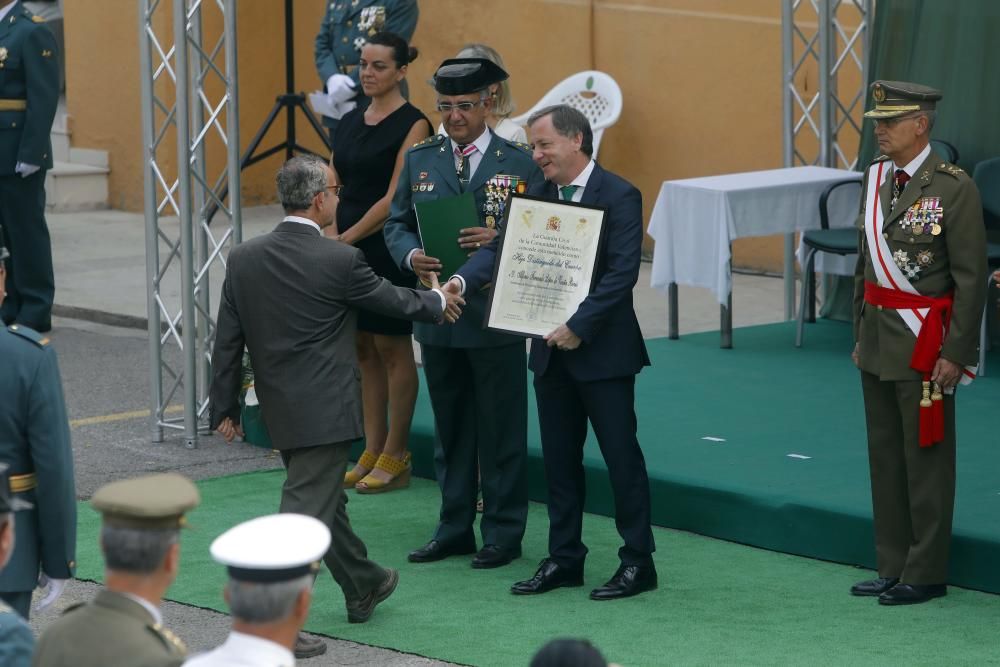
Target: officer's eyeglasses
[464,107]
[335,188]
[893,122]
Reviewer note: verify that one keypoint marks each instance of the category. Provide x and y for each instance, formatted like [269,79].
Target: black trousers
[30,279]
[480,402]
[19,601]
[564,407]
[315,487]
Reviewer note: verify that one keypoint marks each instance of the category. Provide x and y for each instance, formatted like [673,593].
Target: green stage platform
[764,444]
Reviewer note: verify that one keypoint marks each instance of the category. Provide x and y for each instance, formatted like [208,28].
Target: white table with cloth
[695,221]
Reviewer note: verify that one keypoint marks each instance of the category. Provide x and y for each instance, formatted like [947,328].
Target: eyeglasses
[336,189]
[893,122]
[464,107]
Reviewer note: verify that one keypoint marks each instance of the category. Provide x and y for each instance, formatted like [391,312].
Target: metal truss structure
[823,42]
[190,160]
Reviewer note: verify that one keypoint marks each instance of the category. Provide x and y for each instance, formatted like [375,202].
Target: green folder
[439,222]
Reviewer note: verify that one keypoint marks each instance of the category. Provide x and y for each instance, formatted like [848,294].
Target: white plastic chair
[594,93]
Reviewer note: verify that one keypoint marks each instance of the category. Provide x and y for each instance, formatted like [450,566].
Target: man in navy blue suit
[585,368]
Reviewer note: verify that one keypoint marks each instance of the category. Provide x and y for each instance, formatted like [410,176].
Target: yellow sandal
[367,460]
[399,469]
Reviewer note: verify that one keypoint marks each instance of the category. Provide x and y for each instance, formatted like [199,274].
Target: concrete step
[76,187]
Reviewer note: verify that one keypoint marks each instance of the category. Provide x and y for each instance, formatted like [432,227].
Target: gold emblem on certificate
[545,264]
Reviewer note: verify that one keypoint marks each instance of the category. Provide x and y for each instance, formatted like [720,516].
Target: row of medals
[924,217]
[497,190]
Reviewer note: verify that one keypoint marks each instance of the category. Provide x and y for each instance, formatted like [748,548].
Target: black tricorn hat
[461,76]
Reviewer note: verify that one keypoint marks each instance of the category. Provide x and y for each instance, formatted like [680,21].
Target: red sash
[926,352]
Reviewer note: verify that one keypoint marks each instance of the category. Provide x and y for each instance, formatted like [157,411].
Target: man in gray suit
[291,297]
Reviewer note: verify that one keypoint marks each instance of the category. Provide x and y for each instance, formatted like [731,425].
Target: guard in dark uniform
[477,378]
[29,94]
[17,643]
[140,539]
[920,288]
[35,444]
[346,27]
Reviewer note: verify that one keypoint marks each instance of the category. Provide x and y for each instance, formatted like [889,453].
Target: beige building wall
[701,81]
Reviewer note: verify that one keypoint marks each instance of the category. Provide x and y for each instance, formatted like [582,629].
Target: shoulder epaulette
[880,158]
[952,169]
[517,144]
[29,334]
[74,607]
[169,639]
[37,19]
[433,140]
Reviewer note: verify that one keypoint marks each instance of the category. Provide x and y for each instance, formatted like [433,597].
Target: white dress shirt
[243,650]
[303,221]
[482,144]
[580,182]
[147,605]
[914,164]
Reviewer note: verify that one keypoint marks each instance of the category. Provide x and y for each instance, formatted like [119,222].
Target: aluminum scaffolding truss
[189,105]
[826,40]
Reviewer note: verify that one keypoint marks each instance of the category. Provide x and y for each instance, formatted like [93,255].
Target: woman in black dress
[368,148]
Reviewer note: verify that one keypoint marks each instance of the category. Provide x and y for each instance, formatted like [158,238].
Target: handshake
[451,292]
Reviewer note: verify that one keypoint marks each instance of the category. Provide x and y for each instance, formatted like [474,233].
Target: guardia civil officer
[918,299]
[17,644]
[29,94]
[477,378]
[346,27]
[35,444]
[140,540]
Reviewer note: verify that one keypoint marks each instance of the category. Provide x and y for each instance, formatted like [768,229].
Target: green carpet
[718,604]
[767,399]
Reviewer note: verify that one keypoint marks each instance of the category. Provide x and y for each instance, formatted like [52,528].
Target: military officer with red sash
[918,299]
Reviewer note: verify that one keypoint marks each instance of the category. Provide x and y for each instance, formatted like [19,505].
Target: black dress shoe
[550,575]
[912,593]
[308,647]
[629,580]
[492,556]
[874,587]
[361,610]
[435,550]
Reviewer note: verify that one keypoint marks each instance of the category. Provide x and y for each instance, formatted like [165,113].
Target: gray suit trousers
[315,487]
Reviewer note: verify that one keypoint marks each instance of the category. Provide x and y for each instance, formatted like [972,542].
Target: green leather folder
[438,222]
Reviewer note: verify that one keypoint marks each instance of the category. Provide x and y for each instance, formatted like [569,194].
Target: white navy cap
[277,547]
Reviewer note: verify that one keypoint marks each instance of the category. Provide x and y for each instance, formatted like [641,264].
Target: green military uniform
[29,94]
[35,443]
[347,25]
[17,644]
[477,379]
[116,628]
[941,253]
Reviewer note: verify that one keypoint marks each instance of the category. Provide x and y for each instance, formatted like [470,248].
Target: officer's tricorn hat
[8,501]
[898,98]
[150,502]
[461,76]
[273,548]
[3,248]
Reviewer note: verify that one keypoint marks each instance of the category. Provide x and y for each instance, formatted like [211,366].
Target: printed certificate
[545,264]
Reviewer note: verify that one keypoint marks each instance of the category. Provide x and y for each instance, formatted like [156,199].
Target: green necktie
[567,192]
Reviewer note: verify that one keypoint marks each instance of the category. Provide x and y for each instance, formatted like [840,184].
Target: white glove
[340,88]
[25,169]
[55,590]
[340,110]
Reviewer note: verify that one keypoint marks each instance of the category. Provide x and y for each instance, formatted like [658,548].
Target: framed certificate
[545,264]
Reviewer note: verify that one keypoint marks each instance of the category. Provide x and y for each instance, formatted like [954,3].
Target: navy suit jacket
[606,323]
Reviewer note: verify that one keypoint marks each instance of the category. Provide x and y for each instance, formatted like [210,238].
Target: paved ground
[101,277]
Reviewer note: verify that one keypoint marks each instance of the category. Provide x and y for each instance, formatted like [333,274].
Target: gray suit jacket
[291,297]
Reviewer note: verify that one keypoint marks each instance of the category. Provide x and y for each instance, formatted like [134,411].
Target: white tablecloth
[695,220]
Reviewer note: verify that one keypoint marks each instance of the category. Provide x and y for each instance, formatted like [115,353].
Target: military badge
[423,187]
[910,268]
[878,93]
[498,190]
[358,43]
[372,20]
[3,53]
[423,175]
